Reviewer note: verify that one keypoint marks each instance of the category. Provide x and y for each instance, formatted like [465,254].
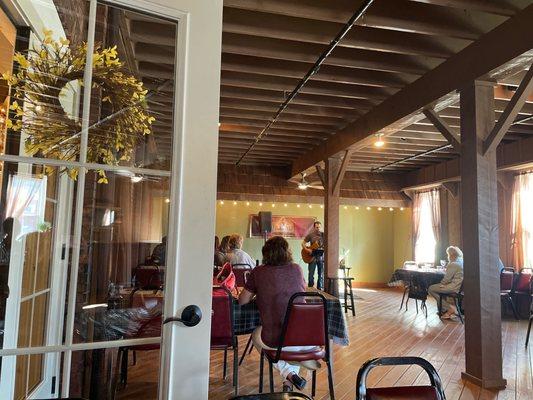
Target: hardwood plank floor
[378,329]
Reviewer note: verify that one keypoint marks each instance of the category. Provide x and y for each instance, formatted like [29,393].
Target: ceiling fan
[304,185]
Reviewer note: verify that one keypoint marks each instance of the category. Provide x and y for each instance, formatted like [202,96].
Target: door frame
[193,199]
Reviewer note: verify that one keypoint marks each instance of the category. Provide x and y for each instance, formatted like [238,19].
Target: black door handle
[190,316]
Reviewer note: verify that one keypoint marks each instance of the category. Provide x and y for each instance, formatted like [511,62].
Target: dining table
[425,277]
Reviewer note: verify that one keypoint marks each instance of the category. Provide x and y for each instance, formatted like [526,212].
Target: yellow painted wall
[378,241]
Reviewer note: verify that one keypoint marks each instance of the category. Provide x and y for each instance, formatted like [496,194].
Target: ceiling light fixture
[379,141]
[136,178]
[302,185]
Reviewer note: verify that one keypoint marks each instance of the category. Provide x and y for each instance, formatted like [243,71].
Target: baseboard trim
[370,285]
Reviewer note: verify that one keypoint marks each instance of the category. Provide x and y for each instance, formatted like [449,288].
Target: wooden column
[479,216]
[331,223]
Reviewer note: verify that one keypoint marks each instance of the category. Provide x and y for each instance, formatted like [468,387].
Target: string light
[310,206]
[247,203]
[357,207]
[401,208]
[368,208]
[260,204]
[221,202]
[167,200]
[234,203]
[391,209]
[379,208]
[273,205]
[321,205]
[345,207]
[285,205]
[297,205]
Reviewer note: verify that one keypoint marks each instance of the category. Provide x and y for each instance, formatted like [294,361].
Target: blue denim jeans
[318,263]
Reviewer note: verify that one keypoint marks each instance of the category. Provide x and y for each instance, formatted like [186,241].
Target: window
[522,221]
[426,225]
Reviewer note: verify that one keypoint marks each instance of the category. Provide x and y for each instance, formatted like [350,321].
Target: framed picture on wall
[283,225]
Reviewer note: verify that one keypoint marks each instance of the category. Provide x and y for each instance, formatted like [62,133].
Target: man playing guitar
[313,254]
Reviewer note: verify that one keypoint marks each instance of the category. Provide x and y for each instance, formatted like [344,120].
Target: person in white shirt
[451,283]
[236,256]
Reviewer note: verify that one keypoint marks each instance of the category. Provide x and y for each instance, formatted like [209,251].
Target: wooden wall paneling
[483,334]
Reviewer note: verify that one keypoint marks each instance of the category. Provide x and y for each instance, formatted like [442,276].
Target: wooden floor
[379,329]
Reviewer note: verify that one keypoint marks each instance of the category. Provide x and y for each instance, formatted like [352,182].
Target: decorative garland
[50,132]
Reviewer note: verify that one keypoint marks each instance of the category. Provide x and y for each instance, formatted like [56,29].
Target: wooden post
[479,217]
[331,224]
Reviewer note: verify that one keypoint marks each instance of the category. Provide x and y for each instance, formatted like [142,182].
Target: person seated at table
[236,255]
[220,258]
[273,283]
[450,283]
[224,245]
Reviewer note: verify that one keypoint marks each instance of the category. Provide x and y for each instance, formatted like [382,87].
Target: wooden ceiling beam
[321,32]
[509,114]
[280,49]
[405,16]
[271,107]
[498,7]
[512,38]
[327,73]
[321,129]
[446,131]
[320,88]
[302,99]
[243,127]
[287,117]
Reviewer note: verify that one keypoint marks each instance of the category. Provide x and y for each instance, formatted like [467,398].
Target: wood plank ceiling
[268,45]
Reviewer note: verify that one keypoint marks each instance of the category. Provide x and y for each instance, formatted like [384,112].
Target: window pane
[122,262]
[132,103]
[42,89]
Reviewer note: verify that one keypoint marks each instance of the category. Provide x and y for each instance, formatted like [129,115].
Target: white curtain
[522,221]
[25,202]
[426,225]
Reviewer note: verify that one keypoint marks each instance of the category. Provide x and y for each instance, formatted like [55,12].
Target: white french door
[95,229]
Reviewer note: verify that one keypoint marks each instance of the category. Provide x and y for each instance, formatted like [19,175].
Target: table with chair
[416,282]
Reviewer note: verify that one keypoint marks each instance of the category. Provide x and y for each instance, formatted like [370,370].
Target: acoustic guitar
[307,252]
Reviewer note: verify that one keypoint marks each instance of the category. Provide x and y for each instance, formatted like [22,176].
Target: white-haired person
[451,283]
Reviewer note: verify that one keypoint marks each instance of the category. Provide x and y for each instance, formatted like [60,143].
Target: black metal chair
[530,322]
[417,291]
[432,392]
[457,299]
[273,396]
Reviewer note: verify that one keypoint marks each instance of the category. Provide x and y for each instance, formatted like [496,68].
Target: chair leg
[124,372]
[416,304]
[224,368]
[529,330]
[248,344]
[352,302]
[424,308]
[403,297]
[515,313]
[330,381]
[134,356]
[271,376]
[261,367]
[440,305]
[236,369]
[313,384]
[459,311]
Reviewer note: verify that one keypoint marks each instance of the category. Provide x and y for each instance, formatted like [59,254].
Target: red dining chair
[305,324]
[241,271]
[507,284]
[522,292]
[149,328]
[431,392]
[222,333]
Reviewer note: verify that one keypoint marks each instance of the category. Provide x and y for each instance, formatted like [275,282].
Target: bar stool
[348,291]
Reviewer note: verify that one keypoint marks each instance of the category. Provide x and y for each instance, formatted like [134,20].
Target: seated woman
[273,283]
[451,283]
[237,256]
